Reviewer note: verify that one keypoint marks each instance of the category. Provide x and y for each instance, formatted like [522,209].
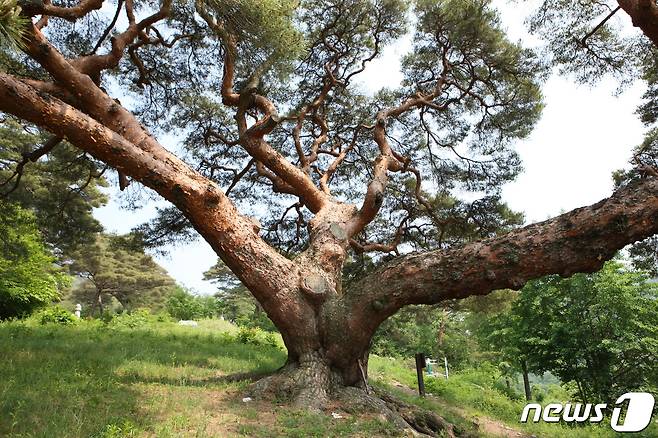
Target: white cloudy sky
[583,136]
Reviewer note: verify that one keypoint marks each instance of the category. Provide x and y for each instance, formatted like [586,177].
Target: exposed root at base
[410,418]
[302,386]
[313,389]
[422,420]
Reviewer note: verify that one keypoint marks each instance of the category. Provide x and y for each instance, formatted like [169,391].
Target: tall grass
[473,394]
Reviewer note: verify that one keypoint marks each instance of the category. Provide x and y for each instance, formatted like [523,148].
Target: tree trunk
[526,381]
[442,328]
[99,303]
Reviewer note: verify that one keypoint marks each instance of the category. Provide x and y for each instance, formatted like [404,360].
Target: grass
[476,396]
[148,378]
[159,379]
[93,380]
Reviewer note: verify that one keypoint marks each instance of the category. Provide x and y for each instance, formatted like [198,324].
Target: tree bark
[644,15]
[526,381]
[321,323]
[99,303]
[578,241]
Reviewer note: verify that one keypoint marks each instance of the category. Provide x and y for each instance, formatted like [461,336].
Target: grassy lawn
[161,379]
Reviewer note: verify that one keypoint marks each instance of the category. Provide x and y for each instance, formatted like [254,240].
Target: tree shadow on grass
[200,381]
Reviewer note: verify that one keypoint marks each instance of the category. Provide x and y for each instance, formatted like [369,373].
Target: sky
[584,134]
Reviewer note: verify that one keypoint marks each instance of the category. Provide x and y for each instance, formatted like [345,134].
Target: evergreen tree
[57,182]
[265,95]
[110,269]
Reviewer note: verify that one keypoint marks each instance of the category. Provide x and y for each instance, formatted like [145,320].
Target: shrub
[134,319]
[183,305]
[29,279]
[57,315]
[248,335]
[256,336]
[270,339]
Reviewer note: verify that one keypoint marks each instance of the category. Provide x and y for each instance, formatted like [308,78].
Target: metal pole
[445,361]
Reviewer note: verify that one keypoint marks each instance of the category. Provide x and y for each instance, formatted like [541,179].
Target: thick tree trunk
[644,15]
[328,330]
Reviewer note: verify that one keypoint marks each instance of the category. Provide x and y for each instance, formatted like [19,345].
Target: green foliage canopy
[109,267]
[597,331]
[61,188]
[183,305]
[29,278]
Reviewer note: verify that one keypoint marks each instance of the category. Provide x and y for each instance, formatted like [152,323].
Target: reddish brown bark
[644,15]
[578,241]
[327,329]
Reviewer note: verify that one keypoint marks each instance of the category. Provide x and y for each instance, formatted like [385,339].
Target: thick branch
[263,270]
[644,14]
[94,64]
[290,176]
[578,241]
[387,160]
[71,14]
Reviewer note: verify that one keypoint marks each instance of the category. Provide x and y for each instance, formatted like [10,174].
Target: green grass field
[160,379]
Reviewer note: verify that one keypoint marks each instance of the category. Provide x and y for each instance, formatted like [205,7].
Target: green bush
[477,388]
[57,315]
[29,278]
[183,305]
[256,336]
[247,335]
[134,319]
[270,339]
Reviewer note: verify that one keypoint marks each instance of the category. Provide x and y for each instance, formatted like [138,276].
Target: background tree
[234,301]
[264,93]
[450,329]
[110,269]
[29,279]
[57,182]
[596,331]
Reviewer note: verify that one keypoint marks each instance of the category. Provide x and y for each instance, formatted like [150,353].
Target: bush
[256,336]
[247,335]
[134,319]
[29,278]
[57,315]
[183,305]
[476,388]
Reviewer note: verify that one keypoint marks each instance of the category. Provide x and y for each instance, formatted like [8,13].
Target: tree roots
[314,387]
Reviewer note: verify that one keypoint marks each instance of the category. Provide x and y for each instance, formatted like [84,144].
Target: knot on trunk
[315,287]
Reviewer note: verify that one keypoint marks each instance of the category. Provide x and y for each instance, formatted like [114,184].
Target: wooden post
[420,364]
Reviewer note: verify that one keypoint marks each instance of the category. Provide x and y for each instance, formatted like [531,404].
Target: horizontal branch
[577,241]
[72,13]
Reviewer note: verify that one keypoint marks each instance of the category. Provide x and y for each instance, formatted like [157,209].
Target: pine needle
[12,25]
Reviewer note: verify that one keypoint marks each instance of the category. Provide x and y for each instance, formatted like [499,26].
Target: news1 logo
[637,416]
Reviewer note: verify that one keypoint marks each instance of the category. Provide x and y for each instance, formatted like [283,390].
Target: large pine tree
[264,95]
